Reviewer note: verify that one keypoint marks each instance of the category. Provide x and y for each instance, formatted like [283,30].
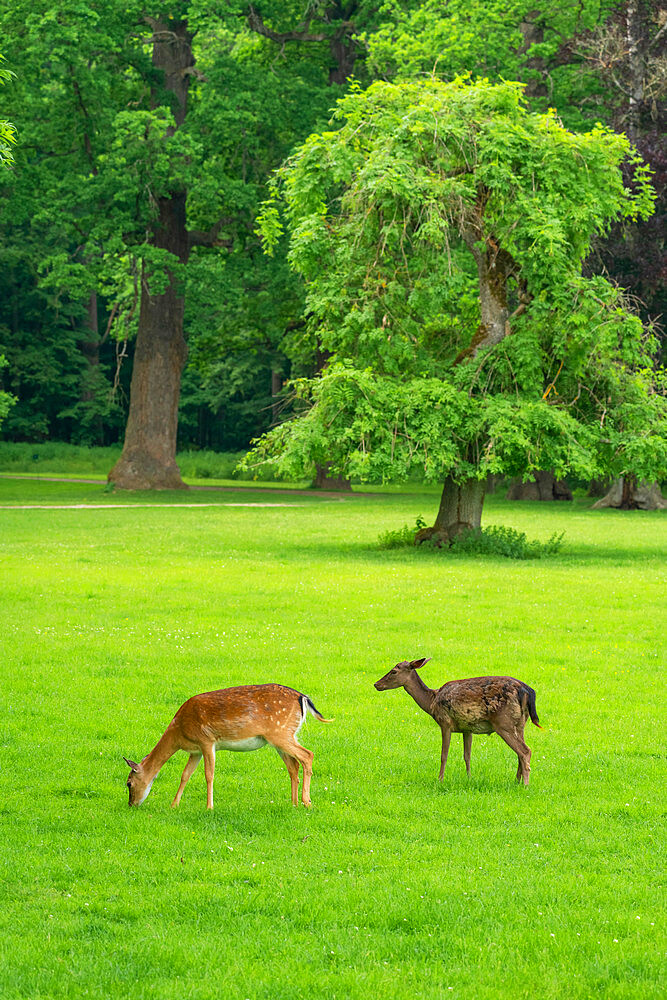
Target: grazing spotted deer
[237,718]
[476,705]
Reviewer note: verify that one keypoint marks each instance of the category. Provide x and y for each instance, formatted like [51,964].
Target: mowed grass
[393,885]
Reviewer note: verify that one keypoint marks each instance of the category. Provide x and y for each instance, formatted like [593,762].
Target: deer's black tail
[308,706]
[532,711]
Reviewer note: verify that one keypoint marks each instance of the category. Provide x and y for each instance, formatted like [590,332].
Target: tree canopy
[441,230]
[146,138]
[112,141]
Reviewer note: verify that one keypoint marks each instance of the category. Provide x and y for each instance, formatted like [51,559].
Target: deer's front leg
[292,765]
[193,760]
[209,771]
[446,737]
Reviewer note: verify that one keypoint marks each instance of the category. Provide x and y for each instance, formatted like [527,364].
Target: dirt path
[270,490]
[133,506]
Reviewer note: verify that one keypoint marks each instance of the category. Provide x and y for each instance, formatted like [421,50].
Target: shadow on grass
[361,551]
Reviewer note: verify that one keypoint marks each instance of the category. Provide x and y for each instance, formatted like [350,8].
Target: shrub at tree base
[401,538]
[496,540]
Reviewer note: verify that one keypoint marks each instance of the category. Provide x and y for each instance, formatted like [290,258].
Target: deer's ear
[419,663]
[130,763]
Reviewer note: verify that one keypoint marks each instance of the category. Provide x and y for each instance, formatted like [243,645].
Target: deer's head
[137,783]
[399,674]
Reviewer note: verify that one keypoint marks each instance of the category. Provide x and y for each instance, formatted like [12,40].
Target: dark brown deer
[476,705]
[237,718]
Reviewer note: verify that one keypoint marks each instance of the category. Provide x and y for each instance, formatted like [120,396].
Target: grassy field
[393,885]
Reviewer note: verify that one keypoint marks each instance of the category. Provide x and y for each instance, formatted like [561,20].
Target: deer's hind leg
[292,765]
[306,758]
[467,748]
[290,748]
[513,736]
[519,770]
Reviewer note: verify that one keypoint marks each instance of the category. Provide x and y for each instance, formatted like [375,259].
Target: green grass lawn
[393,885]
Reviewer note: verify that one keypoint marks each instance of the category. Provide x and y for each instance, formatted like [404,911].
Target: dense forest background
[106,137]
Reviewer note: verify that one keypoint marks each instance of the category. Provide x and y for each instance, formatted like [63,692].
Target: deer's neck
[154,761]
[422,694]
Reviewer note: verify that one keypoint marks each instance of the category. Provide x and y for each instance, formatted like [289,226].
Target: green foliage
[388,218]
[527,40]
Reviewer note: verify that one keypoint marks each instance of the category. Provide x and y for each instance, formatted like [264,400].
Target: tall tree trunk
[460,510]
[343,47]
[637,66]
[90,348]
[148,460]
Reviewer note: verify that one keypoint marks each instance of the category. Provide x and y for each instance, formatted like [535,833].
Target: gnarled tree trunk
[148,460]
[627,494]
[460,510]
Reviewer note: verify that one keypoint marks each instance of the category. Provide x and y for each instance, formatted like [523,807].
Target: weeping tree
[440,230]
